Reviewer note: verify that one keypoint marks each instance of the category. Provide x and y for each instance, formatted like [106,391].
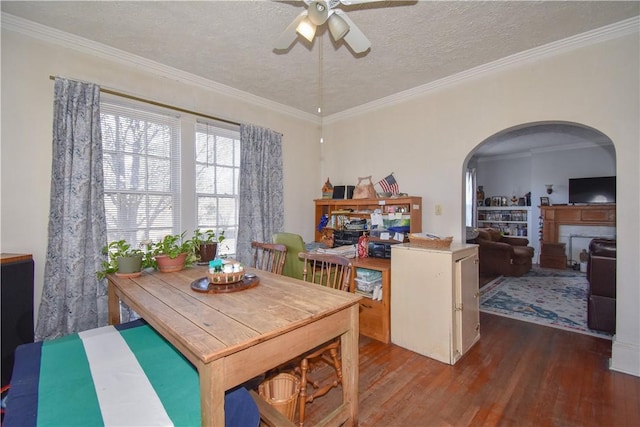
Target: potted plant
[122,259]
[172,253]
[205,244]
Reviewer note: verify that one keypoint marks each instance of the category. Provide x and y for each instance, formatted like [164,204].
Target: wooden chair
[269,256]
[335,272]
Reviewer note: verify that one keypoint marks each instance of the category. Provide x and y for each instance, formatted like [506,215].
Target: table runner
[125,375]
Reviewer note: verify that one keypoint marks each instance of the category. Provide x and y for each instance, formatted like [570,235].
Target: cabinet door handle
[365,305]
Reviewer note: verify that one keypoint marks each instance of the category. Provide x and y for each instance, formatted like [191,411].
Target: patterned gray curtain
[261,209]
[73,299]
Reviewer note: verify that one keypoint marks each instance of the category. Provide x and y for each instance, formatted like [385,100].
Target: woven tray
[430,243]
[225,278]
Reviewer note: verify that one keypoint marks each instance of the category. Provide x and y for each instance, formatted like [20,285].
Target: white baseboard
[625,357]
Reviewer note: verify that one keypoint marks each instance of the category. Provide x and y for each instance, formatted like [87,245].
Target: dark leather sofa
[502,255]
[601,274]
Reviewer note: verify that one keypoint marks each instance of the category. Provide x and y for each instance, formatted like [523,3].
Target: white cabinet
[435,306]
[514,221]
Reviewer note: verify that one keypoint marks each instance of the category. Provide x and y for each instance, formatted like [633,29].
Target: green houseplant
[172,253]
[122,259]
[205,244]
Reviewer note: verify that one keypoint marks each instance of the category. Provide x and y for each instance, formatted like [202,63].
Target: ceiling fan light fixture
[318,12]
[337,27]
[306,29]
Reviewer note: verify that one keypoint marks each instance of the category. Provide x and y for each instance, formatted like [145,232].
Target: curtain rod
[159,104]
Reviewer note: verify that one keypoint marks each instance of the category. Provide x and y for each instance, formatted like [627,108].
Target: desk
[233,337]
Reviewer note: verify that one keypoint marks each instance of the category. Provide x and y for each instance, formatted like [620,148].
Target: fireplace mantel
[555,216]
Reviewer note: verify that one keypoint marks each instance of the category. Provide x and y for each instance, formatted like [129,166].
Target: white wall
[27,111]
[427,141]
[505,176]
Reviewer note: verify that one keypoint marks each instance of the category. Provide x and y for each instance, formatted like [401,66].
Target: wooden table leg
[350,365]
[113,304]
[212,393]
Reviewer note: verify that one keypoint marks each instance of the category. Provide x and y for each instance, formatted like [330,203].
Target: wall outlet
[438,210]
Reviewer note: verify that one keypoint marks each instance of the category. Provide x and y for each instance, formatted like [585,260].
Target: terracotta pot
[207,251]
[170,265]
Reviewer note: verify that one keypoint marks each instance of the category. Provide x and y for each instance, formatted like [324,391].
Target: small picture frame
[544,201]
[496,200]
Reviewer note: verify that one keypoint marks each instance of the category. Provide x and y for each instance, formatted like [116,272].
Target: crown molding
[48,34]
[51,35]
[619,29]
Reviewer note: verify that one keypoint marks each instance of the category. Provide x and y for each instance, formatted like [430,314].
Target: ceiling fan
[340,26]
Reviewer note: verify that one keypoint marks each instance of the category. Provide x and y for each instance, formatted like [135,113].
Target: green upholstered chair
[293,265]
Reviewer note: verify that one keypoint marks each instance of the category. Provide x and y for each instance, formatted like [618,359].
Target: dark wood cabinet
[16,294]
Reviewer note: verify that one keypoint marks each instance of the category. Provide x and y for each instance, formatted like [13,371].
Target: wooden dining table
[232,337]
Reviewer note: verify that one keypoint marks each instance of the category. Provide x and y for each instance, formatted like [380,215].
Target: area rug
[555,298]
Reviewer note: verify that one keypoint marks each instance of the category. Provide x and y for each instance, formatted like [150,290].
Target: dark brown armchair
[601,274]
[502,255]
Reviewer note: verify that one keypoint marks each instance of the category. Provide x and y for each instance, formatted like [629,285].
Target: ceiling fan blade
[354,38]
[289,35]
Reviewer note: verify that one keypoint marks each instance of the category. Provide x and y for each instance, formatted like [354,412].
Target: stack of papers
[347,251]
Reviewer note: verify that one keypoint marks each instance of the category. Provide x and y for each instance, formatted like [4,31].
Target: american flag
[389,184]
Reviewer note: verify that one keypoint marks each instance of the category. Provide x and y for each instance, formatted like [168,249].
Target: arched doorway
[529,157]
[538,160]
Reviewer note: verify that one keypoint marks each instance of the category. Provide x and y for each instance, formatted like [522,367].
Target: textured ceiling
[413,43]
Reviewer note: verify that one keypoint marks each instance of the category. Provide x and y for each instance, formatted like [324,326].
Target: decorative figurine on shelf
[323,222]
[327,190]
[514,201]
[480,195]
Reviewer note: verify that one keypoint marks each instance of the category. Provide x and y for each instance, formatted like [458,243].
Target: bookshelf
[513,221]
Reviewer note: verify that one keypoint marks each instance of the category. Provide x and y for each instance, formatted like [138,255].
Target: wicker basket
[281,392]
[225,278]
[429,242]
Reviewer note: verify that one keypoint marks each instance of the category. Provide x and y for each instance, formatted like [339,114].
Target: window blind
[217,170]
[141,165]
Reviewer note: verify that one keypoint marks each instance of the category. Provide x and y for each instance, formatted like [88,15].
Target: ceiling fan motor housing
[318,12]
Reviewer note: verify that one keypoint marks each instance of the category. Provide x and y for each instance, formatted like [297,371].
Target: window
[470,198]
[217,176]
[142,164]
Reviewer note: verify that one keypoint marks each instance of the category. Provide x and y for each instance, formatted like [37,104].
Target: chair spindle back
[328,270]
[269,256]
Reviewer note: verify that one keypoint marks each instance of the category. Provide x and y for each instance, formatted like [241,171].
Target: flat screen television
[600,189]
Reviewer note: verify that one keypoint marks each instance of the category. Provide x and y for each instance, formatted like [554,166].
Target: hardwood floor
[518,374]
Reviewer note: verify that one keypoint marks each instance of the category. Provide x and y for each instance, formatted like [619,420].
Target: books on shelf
[369,283]
[375,294]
